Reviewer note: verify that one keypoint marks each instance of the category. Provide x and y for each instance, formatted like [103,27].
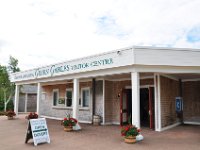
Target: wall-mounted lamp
[119,52]
[118,95]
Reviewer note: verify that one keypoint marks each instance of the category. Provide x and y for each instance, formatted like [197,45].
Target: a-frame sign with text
[38,131]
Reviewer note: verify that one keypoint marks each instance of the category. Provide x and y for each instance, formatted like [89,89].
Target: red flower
[123,134]
[130,130]
[67,121]
[32,115]
[127,128]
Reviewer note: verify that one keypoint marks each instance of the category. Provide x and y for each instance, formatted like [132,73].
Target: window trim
[68,89]
[82,89]
[55,90]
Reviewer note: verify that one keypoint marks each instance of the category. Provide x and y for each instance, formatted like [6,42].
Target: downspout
[181,95]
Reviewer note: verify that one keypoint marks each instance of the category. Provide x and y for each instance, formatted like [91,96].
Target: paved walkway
[12,137]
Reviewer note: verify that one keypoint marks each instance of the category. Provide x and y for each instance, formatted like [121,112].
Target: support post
[16,99]
[104,106]
[157,102]
[93,95]
[135,81]
[76,98]
[159,105]
[38,97]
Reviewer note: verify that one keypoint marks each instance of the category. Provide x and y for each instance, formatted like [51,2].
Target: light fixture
[119,52]
[118,95]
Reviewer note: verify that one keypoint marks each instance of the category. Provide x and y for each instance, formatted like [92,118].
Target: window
[55,97]
[68,98]
[85,96]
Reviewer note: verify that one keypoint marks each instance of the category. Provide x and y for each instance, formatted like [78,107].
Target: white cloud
[41,32]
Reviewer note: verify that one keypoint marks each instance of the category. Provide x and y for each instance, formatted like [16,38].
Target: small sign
[37,129]
[179,104]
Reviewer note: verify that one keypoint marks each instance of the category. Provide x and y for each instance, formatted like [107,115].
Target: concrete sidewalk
[12,137]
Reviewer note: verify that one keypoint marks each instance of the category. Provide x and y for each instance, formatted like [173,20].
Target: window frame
[55,90]
[68,89]
[82,89]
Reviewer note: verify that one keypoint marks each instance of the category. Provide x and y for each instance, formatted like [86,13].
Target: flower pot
[68,129]
[130,139]
[10,117]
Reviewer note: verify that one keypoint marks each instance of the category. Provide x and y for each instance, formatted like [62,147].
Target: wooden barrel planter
[130,139]
[96,120]
[68,128]
[10,117]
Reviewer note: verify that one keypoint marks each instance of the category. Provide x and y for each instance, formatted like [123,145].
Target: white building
[140,83]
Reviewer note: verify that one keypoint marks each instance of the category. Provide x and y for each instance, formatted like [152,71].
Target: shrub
[2,113]
[10,113]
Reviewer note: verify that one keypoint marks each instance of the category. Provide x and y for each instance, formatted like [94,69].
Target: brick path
[12,137]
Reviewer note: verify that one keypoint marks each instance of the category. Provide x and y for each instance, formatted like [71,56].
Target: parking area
[12,136]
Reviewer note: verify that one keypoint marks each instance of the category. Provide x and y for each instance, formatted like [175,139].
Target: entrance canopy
[140,59]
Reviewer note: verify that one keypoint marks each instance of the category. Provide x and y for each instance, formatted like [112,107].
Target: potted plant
[130,132]
[68,123]
[32,115]
[10,114]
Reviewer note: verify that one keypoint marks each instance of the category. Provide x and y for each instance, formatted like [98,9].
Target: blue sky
[42,32]
[193,35]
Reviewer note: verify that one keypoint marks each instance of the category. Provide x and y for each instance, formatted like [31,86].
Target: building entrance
[125,107]
[147,107]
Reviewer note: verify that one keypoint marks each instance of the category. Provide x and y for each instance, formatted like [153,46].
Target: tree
[7,89]
[5,85]
[12,67]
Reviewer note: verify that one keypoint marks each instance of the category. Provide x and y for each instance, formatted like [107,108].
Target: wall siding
[46,104]
[31,102]
[21,107]
[191,99]
[169,90]
[112,102]
[108,101]
[147,82]
[99,99]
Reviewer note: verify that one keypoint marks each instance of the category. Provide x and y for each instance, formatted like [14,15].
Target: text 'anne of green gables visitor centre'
[158,88]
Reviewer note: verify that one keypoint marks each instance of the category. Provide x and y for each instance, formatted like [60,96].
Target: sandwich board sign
[38,131]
